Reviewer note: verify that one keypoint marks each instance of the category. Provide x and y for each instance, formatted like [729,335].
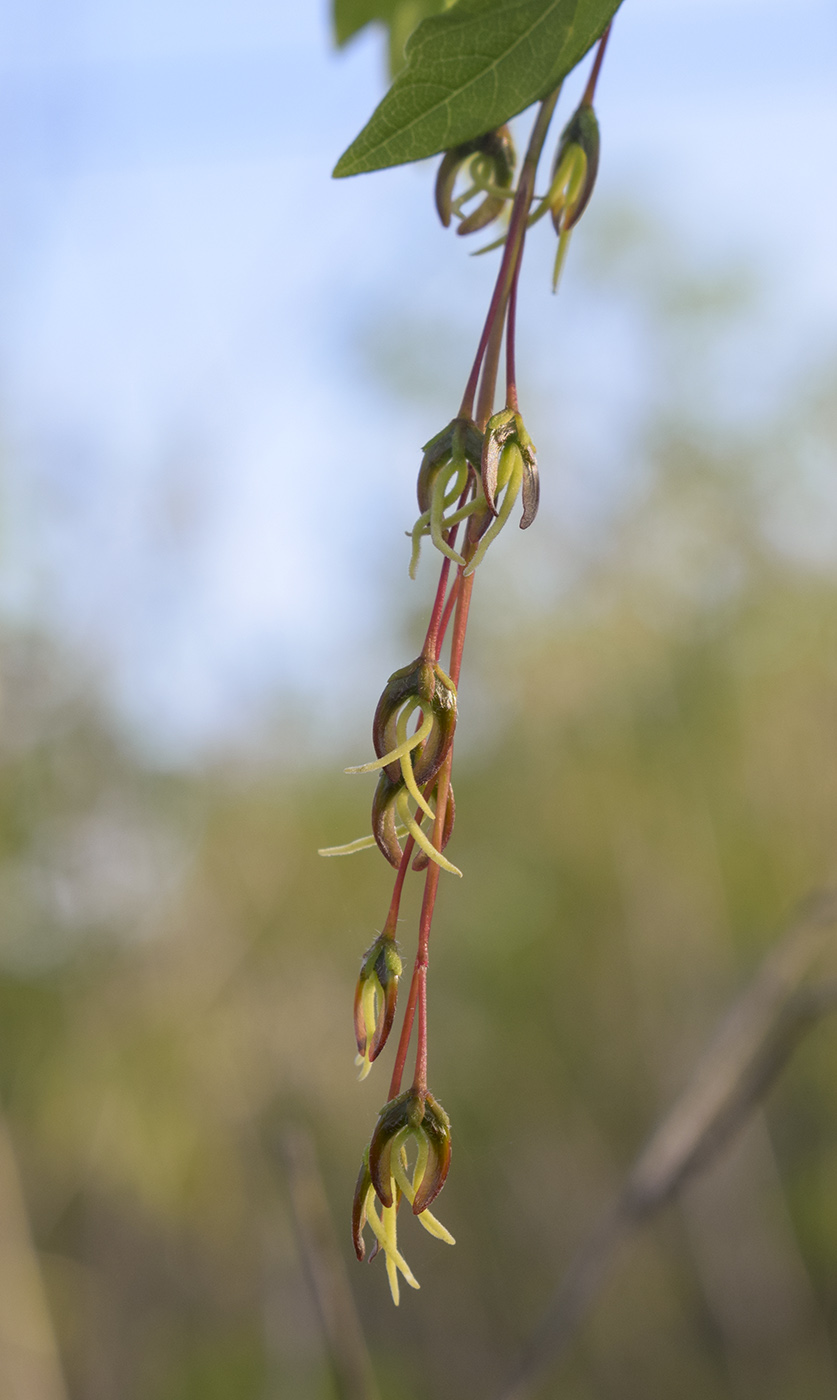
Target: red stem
[503,299]
[404,1039]
[517,223]
[590,90]
[449,605]
[430,650]
[431,883]
[395,903]
[511,322]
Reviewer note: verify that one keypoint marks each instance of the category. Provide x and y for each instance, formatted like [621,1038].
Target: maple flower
[385,1177]
[375,998]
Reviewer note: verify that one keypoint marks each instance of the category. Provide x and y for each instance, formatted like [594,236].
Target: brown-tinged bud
[364,1182]
[530,488]
[425,684]
[505,427]
[499,429]
[376,995]
[492,161]
[436,1129]
[384,817]
[415,1114]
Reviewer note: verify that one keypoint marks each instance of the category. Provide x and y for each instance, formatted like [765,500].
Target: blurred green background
[646,784]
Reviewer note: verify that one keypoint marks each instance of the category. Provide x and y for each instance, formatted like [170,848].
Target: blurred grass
[655,792]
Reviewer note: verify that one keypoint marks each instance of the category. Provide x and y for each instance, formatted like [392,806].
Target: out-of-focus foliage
[176,968]
[399,17]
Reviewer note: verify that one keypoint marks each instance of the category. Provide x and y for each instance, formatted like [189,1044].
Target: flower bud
[449,460]
[376,994]
[575,169]
[461,437]
[492,161]
[413,1114]
[423,684]
[507,426]
[392,818]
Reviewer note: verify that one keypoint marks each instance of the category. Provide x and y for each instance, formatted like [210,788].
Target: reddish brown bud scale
[500,428]
[531,489]
[436,1130]
[364,1181]
[425,682]
[384,819]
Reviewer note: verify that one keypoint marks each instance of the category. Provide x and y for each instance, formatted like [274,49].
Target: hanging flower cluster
[472,475]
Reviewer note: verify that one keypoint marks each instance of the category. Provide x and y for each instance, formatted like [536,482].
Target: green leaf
[469,70]
[400,17]
[350,16]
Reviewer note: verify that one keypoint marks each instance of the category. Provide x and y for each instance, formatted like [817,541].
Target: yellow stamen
[402,749]
[419,837]
[407,762]
[363,843]
[384,1229]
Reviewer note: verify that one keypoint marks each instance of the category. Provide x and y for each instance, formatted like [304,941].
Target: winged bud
[491,160]
[449,459]
[509,466]
[376,994]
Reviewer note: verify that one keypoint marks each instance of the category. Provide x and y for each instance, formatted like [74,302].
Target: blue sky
[206,470]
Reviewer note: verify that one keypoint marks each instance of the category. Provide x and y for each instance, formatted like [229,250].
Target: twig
[323,1264]
[749,1050]
[30,1364]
